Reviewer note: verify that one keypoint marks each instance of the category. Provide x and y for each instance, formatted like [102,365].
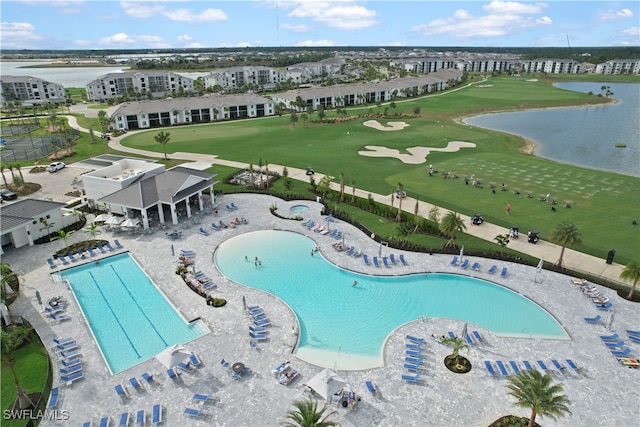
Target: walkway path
[545,250]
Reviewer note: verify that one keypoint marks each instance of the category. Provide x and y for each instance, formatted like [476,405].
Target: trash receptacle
[610,256]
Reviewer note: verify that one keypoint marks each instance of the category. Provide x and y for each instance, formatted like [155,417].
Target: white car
[55,166]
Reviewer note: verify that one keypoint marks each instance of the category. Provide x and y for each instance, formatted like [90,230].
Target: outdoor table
[238,367]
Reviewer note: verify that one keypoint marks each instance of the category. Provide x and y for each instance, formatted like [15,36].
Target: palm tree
[566,233]
[46,225]
[400,192]
[341,187]
[163,138]
[534,390]
[353,191]
[11,339]
[458,346]
[450,224]
[64,235]
[93,229]
[308,415]
[631,273]
[502,240]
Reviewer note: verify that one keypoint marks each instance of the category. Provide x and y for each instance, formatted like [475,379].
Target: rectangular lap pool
[129,317]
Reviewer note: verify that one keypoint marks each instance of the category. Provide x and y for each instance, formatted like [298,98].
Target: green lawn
[603,204]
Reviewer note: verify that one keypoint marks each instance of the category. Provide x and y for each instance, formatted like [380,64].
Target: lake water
[584,136]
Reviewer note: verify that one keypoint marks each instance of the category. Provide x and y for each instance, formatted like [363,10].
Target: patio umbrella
[610,321]
[244,302]
[102,217]
[114,220]
[326,383]
[461,253]
[173,355]
[38,298]
[463,334]
[130,222]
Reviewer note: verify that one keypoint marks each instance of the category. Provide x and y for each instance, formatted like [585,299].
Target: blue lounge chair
[573,365]
[469,340]
[121,391]
[371,388]
[108,245]
[67,347]
[392,258]
[141,417]
[80,253]
[338,235]
[59,317]
[224,363]
[542,365]
[414,360]
[124,419]
[70,370]
[53,311]
[252,307]
[454,261]
[451,334]
[105,421]
[503,273]
[148,377]
[365,259]
[559,366]
[634,338]
[476,266]
[493,269]
[229,208]
[63,260]
[174,374]
[69,363]
[514,367]
[413,352]
[413,346]
[214,226]
[613,344]
[71,378]
[605,307]
[261,322]
[117,243]
[411,378]
[306,223]
[414,339]
[527,365]
[53,398]
[385,262]
[621,353]
[258,336]
[195,360]
[489,368]
[69,354]
[91,253]
[502,368]
[185,366]
[200,397]
[402,260]
[411,367]
[311,225]
[256,312]
[593,319]
[630,332]
[233,205]
[156,414]
[613,337]
[71,257]
[137,385]
[192,412]
[101,249]
[464,264]
[375,261]
[350,250]
[477,336]
[258,329]
[203,232]
[51,263]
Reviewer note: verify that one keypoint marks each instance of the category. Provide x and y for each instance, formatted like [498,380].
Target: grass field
[603,205]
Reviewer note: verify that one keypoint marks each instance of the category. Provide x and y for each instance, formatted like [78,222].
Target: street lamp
[343,234]
[380,248]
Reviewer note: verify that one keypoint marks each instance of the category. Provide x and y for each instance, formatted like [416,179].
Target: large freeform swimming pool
[346,326]
[129,317]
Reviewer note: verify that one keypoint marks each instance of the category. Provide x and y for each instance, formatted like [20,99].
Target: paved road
[543,249]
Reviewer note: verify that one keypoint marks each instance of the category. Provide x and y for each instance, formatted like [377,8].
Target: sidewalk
[545,250]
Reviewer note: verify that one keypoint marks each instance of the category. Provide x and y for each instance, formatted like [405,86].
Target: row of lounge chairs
[232,207]
[69,363]
[477,337]
[515,369]
[70,257]
[125,418]
[591,291]
[617,347]
[258,326]
[284,373]
[55,310]
[414,346]
[386,261]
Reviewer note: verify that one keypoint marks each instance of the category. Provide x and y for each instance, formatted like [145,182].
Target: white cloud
[504,18]
[299,28]
[148,10]
[616,14]
[316,43]
[340,15]
[73,7]
[144,40]
[19,35]
[184,38]
[632,32]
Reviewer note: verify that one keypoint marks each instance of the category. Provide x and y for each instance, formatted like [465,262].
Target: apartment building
[140,83]
[30,90]
[620,66]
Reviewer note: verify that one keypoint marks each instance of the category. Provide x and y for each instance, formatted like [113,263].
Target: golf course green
[603,205]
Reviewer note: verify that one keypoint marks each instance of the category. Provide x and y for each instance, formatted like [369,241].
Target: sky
[141,24]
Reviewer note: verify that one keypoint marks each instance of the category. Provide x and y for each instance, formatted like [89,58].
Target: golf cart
[534,236]
[477,219]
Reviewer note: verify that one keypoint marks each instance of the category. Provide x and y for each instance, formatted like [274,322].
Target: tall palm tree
[64,235]
[458,345]
[631,273]
[450,224]
[400,192]
[565,233]
[93,229]
[11,339]
[163,138]
[534,390]
[307,414]
[341,187]
[46,225]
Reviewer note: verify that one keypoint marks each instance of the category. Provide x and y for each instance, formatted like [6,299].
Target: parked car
[55,167]
[6,194]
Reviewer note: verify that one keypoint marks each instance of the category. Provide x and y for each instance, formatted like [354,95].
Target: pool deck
[602,393]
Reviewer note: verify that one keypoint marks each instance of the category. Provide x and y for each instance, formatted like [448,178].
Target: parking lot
[54,185]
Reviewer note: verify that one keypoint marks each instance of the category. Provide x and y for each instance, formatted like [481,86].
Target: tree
[324,186]
[304,118]
[458,346]
[353,191]
[93,229]
[46,225]
[321,112]
[64,235]
[565,233]
[434,214]
[452,223]
[403,229]
[11,339]
[341,187]
[293,118]
[534,390]
[307,414]
[163,138]
[502,240]
[631,273]
[400,192]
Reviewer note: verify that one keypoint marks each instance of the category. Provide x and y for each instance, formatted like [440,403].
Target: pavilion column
[200,200]
[186,202]
[145,219]
[174,214]
[161,213]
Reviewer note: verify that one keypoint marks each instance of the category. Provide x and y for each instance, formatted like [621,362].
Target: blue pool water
[354,322]
[129,317]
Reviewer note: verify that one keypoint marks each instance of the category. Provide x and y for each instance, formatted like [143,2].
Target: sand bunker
[531,80]
[484,86]
[416,155]
[390,125]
